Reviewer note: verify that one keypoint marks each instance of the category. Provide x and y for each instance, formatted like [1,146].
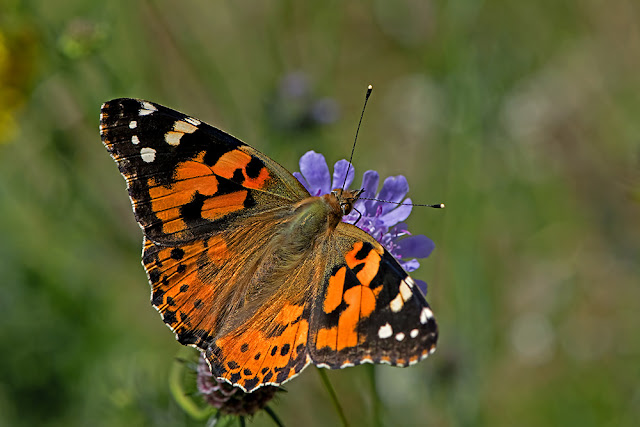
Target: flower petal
[339,172]
[422,285]
[370,181]
[393,190]
[418,246]
[303,181]
[411,265]
[313,167]
[400,213]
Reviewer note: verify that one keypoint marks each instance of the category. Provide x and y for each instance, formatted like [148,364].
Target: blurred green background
[523,117]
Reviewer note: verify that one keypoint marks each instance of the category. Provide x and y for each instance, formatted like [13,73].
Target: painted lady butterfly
[250,269]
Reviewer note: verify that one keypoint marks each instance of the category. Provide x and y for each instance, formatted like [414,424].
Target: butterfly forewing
[186,178]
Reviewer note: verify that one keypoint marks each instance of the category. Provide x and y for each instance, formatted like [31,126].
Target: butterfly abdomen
[297,238]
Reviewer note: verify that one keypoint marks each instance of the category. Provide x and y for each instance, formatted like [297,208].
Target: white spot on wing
[385,331]
[184,127]
[101,121]
[133,124]
[396,303]
[399,336]
[409,281]
[173,138]
[414,333]
[193,121]
[346,365]
[147,108]
[425,315]
[405,291]
[148,154]
[135,140]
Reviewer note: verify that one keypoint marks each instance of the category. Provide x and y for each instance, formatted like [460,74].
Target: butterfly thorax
[319,215]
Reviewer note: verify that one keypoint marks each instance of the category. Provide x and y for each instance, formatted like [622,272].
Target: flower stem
[273,416]
[375,399]
[332,394]
[176,385]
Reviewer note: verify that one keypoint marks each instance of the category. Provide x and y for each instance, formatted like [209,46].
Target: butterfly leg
[359,216]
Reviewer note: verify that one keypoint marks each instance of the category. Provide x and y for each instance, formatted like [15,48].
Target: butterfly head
[346,199]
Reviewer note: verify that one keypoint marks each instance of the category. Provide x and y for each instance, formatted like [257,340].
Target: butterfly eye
[346,206]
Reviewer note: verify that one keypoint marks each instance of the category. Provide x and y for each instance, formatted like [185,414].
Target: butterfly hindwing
[264,354]
[186,178]
[370,310]
[218,294]
[216,286]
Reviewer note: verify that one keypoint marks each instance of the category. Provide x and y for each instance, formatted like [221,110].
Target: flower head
[227,398]
[381,220]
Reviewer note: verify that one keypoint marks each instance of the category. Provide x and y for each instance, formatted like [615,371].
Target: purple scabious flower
[294,106]
[384,221]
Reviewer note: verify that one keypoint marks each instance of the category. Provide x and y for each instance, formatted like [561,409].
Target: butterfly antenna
[366,98]
[437,205]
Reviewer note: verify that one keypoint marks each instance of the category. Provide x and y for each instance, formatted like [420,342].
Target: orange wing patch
[333,297]
[180,291]
[219,206]
[353,300]
[370,262]
[368,267]
[255,175]
[192,177]
[327,338]
[252,357]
